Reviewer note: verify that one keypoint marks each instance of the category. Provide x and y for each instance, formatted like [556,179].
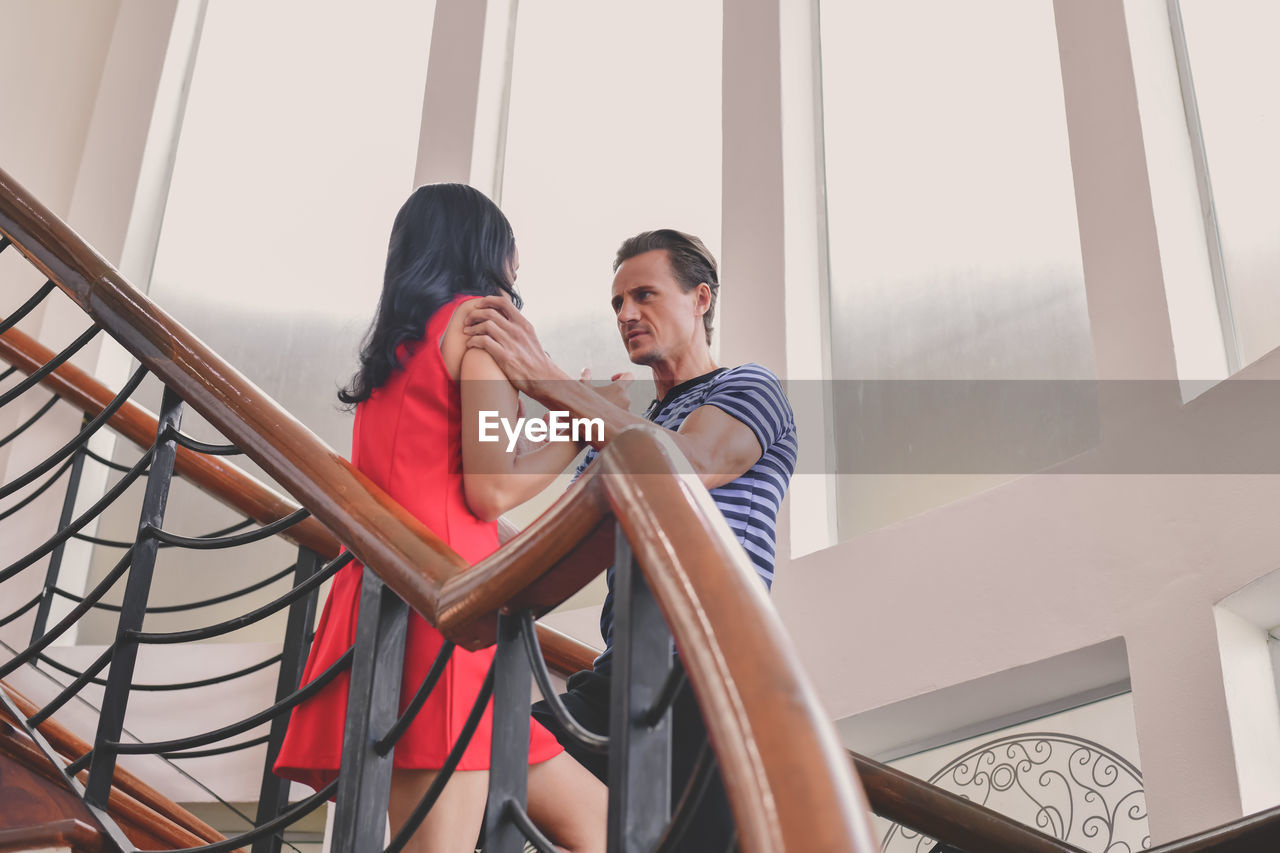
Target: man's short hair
[691,262]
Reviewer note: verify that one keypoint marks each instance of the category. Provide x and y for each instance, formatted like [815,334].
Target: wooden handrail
[919,806]
[74,835]
[225,481]
[789,785]
[214,474]
[1250,834]
[71,746]
[739,661]
[145,828]
[380,532]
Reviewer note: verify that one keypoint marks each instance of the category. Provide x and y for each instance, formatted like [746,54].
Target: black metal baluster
[373,703]
[133,608]
[639,754]
[55,558]
[509,756]
[274,793]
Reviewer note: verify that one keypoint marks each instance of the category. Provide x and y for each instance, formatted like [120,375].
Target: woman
[417,395]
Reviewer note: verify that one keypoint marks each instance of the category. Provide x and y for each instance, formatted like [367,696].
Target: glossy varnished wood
[248,495]
[408,556]
[564,654]
[141,810]
[917,805]
[789,784]
[74,835]
[1255,833]
[558,554]
[214,474]
[914,803]
[31,791]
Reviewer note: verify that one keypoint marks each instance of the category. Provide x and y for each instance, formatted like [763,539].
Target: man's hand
[495,326]
[615,392]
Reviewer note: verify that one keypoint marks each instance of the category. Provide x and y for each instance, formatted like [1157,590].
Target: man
[734,425]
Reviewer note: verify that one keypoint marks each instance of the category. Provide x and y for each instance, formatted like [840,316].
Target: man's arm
[493,479]
[496,327]
[720,447]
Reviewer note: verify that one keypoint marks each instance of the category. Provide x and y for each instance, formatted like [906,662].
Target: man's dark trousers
[588,700]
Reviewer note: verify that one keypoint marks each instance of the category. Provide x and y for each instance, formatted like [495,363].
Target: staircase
[791,787]
[34,794]
[788,793]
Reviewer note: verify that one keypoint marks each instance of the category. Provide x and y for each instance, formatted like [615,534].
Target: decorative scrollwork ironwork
[1073,789]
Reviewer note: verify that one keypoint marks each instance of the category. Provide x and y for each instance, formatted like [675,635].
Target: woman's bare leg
[569,804]
[453,824]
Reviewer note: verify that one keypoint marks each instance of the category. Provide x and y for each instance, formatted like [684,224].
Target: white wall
[926,610]
[1048,564]
[53,55]
[81,116]
[1072,774]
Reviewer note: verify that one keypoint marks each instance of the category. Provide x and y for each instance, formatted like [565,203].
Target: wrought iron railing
[794,792]
[520,638]
[787,793]
[136,562]
[373,728]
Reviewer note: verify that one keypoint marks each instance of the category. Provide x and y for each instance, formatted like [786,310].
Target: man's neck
[667,375]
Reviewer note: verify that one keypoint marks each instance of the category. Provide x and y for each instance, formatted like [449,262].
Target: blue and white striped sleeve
[582,466]
[752,394]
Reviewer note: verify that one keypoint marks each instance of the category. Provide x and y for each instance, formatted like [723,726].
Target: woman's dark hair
[447,240]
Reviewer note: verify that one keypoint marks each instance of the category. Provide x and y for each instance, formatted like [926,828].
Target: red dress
[407,440]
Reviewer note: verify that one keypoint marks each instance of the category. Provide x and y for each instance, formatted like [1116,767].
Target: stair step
[149,819]
[58,836]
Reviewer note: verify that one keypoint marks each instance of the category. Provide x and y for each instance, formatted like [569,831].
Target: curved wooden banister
[70,746]
[411,559]
[1250,834]
[779,756]
[919,806]
[782,765]
[73,835]
[227,482]
[788,782]
[214,474]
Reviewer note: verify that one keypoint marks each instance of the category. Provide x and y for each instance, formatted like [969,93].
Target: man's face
[657,320]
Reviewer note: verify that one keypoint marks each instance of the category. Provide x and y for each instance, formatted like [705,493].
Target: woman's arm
[496,478]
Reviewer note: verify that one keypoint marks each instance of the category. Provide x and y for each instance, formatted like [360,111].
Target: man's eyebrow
[635,288]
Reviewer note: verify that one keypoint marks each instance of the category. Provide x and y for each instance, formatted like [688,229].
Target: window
[954,253]
[607,136]
[1231,78]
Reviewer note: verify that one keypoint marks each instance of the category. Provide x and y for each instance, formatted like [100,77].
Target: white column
[751,319]
[1128,312]
[453,85]
[753,267]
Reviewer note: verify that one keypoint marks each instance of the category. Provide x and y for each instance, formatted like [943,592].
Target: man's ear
[703,298]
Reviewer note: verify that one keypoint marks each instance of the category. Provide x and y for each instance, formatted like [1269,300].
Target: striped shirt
[753,395]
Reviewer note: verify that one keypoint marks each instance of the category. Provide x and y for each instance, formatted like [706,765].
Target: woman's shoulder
[445,332]
[455,309]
